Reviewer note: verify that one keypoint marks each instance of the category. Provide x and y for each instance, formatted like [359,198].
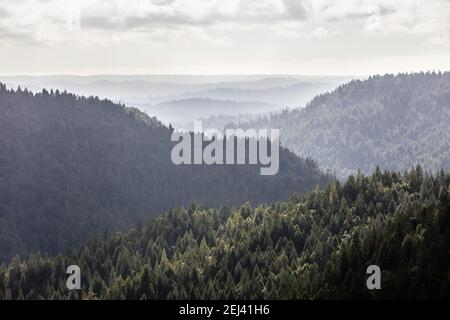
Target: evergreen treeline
[72,167]
[394,122]
[311,247]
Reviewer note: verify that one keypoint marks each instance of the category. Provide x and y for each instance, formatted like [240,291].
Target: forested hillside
[392,121]
[71,167]
[316,246]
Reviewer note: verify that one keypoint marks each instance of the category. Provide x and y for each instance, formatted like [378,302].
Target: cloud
[289,29]
[163,2]
[4,13]
[96,22]
[413,17]
[54,21]
[17,37]
[297,9]
[153,20]
[352,9]
[319,32]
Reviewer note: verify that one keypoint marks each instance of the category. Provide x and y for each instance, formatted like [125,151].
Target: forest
[314,246]
[392,121]
[72,167]
[88,182]
[206,159]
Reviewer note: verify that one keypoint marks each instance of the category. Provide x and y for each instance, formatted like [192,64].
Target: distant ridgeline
[394,122]
[313,247]
[71,167]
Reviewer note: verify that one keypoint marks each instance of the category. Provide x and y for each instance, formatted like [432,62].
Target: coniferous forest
[212,159]
[395,121]
[315,246]
[72,167]
[88,182]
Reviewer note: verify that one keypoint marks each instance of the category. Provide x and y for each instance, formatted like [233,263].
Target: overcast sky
[345,37]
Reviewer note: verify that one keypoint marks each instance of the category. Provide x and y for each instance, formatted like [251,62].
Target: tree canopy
[394,122]
[72,167]
[312,247]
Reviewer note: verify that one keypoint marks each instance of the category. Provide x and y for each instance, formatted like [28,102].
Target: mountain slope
[71,167]
[395,122]
[318,246]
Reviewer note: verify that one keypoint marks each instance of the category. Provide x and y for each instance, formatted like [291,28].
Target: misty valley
[130,203]
[210,159]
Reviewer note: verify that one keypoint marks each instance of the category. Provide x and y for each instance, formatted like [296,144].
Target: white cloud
[253,29]
[319,32]
[49,21]
[288,29]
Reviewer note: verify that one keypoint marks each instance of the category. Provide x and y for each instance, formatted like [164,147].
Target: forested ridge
[311,247]
[72,167]
[391,121]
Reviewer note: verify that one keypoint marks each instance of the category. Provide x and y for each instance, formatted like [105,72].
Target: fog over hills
[72,167]
[184,111]
[333,181]
[394,122]
[171,97]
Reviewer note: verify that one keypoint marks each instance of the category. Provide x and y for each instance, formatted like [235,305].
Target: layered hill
[191,109]
[395,122]
[72,167]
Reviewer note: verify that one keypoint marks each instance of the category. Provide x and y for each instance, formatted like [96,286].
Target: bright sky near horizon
[316,37]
